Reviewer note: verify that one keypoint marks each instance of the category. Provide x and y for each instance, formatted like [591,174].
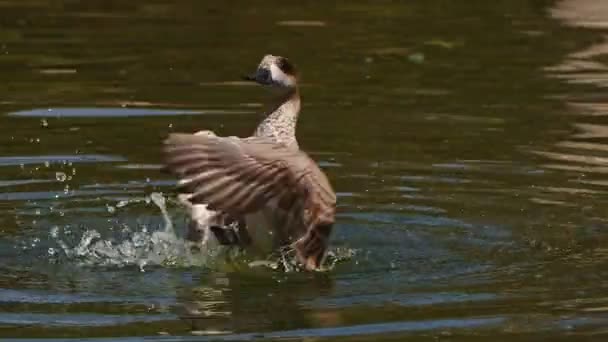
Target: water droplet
[60,176]
[73,171]
[47,164]
[417,58]
[110,209]
[44,123]
[37,212]
[54,232]
[52,251]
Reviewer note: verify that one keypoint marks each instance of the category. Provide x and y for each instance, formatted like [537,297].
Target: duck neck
[281,118]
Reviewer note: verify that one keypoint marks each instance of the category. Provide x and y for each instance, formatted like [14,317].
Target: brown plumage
[242,177]
[251,190]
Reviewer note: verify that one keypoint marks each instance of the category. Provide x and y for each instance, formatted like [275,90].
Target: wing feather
[241,176]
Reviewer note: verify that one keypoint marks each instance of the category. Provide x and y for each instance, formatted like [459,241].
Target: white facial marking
[279,77]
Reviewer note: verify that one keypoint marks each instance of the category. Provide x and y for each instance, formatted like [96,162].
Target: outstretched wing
[241,176]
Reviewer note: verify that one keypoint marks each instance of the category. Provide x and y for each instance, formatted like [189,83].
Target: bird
[260,192]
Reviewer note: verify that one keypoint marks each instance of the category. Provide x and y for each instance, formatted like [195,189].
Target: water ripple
[79,319]
[54,159]
[117,112]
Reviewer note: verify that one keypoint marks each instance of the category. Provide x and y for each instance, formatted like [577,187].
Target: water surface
[467,141]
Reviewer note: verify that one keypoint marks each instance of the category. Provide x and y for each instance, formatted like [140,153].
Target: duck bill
[250,78]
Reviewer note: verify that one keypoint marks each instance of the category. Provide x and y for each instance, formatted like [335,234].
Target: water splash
[140,248]
[285,260]
[143,247]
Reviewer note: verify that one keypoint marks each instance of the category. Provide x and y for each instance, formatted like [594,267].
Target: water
[467,141]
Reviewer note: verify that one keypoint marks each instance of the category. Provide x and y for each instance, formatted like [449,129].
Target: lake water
[467,141]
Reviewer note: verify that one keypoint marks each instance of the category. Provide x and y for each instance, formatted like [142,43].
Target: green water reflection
[467,141]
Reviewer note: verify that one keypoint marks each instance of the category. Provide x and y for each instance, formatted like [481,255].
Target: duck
[261,192]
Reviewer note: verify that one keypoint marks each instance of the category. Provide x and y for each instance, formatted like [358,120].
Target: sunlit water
[467,141]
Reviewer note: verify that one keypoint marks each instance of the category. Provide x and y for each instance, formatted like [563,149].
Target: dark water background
[468,142]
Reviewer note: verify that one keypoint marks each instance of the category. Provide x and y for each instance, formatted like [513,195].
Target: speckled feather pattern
[265,173]
[280,125]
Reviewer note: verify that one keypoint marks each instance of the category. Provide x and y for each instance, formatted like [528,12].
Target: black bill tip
[248,78]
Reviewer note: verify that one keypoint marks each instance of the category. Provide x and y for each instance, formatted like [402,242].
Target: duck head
[275,71]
